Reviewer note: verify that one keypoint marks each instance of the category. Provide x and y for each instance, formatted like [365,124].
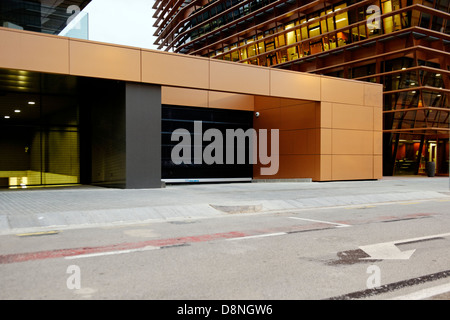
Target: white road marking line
[108,253]
[258,236]
[425,293]
[339,225]
[441,235]
[388,250]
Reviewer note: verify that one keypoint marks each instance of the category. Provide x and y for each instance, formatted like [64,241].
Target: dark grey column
[143,136]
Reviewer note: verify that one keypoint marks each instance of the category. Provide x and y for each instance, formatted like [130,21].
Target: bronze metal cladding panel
[340,91]
[299,136]
[231,101]
[377,167]
[262,102]
[93,59]
[352,142]
[297,167]
[373,95]
[33,52]
[295,85]
[325,110]
[206,99]
[184,97]
[352,167]
[350,139]
[325,170]
[175,70]
[268,118]
[301,116]
[234,77]
[377,119]
[325,141]
[299,142]
[352,117]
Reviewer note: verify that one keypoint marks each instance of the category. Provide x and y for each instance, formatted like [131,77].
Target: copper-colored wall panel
[297,167]
[268,119]
[377,143]
[10,50]
[234,77]
[352,142]
[373,95]
[206,99]
[378,167]
[342,91]
[223,100]
[377,119]
[298,117]
[352,167]
[346,116]
[325,141]
[314,141]
[294,85]
[299,142]
[298,122]
[292,102]
[326,111]
[292,167]
[325,168]
[33,52]
[184,97]
[104,61]
[262,103]
[175,69]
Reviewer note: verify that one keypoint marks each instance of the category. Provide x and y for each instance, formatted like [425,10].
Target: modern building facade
[402,44]
[46,16]
[76,111]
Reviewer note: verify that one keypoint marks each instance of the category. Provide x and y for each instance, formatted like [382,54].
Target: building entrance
[39,129]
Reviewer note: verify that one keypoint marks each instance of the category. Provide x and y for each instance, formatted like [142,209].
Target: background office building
[406,48]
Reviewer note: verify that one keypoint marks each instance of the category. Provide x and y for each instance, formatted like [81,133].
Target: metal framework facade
[408,51]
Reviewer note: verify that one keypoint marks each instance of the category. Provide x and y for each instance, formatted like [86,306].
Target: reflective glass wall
[300,33]
[39,129]
[46,16]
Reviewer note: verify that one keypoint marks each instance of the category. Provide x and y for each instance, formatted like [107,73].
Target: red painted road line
[388,218]
[50,254]
[61,253]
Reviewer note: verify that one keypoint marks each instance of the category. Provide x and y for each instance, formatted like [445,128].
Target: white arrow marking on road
[389,251]
[385,251]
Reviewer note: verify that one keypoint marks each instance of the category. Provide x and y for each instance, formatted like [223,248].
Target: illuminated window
[291,39]
[260,44]
[314,28]
[235,53]
[304,30]
[342,18]
[330,22]
[243,51]
[388,22]
[323,23]
[251,50]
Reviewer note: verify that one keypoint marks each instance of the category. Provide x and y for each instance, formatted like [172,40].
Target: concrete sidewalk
[71,207]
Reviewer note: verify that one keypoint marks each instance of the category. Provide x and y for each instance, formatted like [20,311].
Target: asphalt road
[382,251]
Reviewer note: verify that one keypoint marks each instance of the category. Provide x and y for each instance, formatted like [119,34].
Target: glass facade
[336,26]
[39,129]
[45,16]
